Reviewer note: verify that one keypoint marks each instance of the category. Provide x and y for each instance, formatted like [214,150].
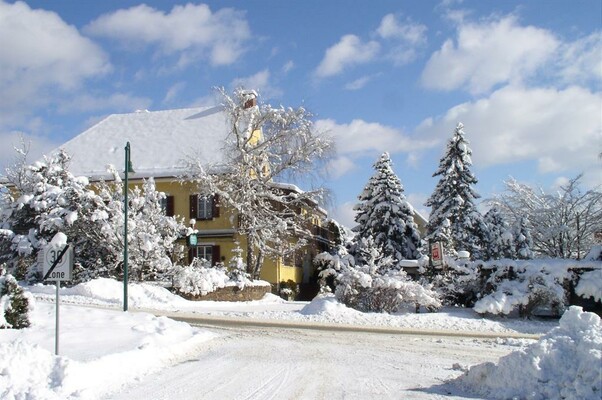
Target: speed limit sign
[61,259]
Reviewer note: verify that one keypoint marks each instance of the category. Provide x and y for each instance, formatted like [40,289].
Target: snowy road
[251,363]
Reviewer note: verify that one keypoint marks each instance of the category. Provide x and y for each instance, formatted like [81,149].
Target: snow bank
[563,364]
[100,352]
[328,306]
[105,291]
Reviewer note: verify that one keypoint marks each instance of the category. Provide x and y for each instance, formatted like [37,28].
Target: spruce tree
[499,242]
[16,305]
[454,219]
[384,214]
[523,242]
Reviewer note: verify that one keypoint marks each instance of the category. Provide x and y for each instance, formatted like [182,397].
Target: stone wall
[233,293]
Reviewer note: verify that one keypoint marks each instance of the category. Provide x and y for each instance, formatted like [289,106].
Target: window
[203,252]
[204,207]
[167,204]
[207,252]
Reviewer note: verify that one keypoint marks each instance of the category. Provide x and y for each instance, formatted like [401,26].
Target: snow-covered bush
[237,269]
[198,278]
[375,285]
[14,304]
[525,285]
[563,364]
[590,285]
[459,283]
[329,266]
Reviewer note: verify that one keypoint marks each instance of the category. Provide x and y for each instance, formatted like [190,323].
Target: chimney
[250,99]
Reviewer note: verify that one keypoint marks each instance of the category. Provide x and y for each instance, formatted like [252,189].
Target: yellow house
[161,143]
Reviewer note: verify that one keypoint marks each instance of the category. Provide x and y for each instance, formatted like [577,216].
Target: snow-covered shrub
[329,266]
[563,364]
[198,278]
[374,285]
[590,285]
[14,304]
[459,284]
[525,285]
[289,290]
[237,269]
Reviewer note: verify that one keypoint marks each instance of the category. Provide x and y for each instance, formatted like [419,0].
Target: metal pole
[125,229]
[56,336]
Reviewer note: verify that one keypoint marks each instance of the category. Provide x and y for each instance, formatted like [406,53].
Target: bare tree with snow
[562,224]
[265,145]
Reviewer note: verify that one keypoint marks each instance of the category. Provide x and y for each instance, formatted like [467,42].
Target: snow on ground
[323,309]
[104,352]
[100,350]
[564,364]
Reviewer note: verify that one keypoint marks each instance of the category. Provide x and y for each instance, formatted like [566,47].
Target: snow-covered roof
[160,142]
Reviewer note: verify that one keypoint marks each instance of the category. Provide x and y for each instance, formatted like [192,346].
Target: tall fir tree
[384,214]
[454,219]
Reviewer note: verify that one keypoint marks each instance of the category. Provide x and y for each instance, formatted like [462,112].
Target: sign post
[436,254]
[57,266]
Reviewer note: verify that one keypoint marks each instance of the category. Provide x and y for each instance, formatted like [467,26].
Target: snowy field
[109,354]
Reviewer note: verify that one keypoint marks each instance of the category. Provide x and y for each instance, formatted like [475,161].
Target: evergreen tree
[385,215]
[522,239]
[499,242]
[15,305]
[454,220]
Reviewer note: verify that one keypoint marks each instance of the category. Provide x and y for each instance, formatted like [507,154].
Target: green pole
[125,228]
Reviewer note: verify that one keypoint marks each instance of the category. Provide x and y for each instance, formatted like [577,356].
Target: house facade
[162,142]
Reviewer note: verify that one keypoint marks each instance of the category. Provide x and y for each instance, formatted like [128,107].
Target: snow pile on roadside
[100,352]
[563,364]
[328,306]
[105,291]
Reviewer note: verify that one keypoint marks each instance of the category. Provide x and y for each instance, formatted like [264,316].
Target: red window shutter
[216,206]
[215,255]
[169,206]
[194,203]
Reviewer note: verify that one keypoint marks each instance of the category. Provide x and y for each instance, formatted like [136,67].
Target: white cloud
[581,60]
[260,82]
[407,37]
[344,214]
[122,102]
[40,54]
[349,51]
[192,31]
[288,66]
[173,92]
[359,83]
[38,145]
[487,54]
[359,138]
[560,129]
[340,166]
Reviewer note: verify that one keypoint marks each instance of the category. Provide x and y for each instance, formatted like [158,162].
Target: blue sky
[525,78]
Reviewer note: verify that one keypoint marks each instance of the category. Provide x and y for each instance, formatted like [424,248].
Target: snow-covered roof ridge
[160,141]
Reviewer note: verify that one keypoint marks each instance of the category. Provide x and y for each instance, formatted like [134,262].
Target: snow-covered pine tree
[384,214]
[522,239]
[499,242]
[13,304]
[452,220]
